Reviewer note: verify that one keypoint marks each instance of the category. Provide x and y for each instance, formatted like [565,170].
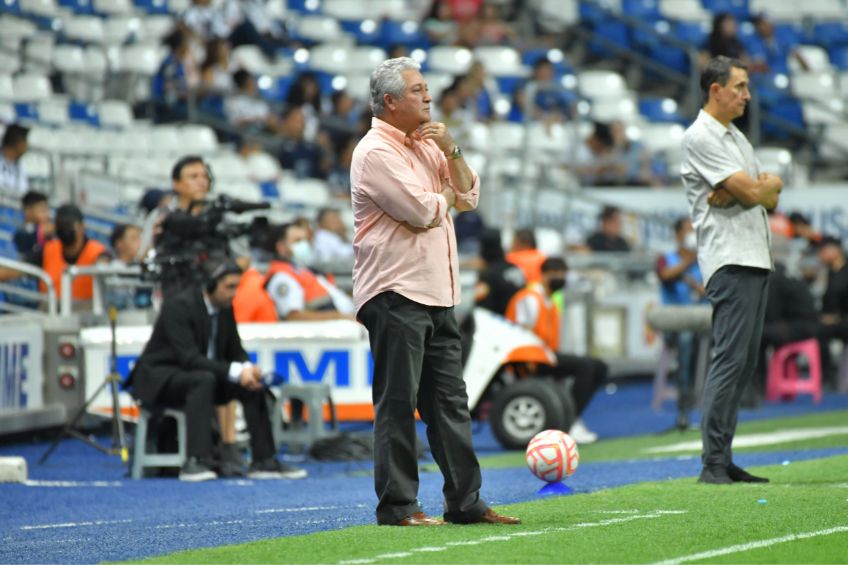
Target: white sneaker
[581,434]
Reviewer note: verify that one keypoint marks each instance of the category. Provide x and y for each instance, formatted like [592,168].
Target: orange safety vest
[315,295]
[529,261]
[54,263]
[547,324]
[252,303]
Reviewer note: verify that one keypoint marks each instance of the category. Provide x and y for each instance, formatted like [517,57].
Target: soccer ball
[552,455]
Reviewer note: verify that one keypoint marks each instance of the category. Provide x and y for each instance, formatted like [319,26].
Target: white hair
[387,78]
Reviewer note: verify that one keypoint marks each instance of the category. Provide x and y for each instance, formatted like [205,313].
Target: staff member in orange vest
[71,247]
[524,255]
[252,303]
[298,292]
[533,308]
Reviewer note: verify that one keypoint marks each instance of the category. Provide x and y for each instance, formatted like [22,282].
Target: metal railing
[49,297]
[103,277]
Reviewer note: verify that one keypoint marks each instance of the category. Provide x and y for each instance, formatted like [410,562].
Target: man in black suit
[195,361]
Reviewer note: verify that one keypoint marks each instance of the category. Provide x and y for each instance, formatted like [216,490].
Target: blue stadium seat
[366,32]
[690,32]
[839,57]
[739,8]
[530,57]
[787,110]
[645,10]
[407,33]
[660,110]
[152,6]
[613,31]
[831,34]
[789,34]
[304,6]
[269,189]
[591,13]
[10,7]
[81,112]
[277,89]
[78,6]
[26,111]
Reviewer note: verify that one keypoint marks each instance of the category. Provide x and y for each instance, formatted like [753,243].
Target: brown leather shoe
[420,519]
[491,517]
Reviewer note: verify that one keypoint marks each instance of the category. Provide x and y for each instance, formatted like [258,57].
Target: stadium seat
[347,9]
[816,85]
[143,59]
[319,29]
[359,86]
[601,84]
[39,7]
[815,57]
[78,6]
[113,7]
[437,82]
[783,373]
[13,30]
[26,112]
[405,32]
[152,7]
[738,8]
[622,108]
[262,167]
[38,53]
[178,6]
[115,114]
[817,112]
[37,165]
[69,58]
[479,137]
[7,92]
[120,29]
[776,160]
[449,59]
[307,193]
[53,111]
[84,28]
[7,113]
[839,59]
[835,146]
[250,58]
[31,87]
[86,113]
[10,63]
[555,16]
[685,10]
[156,27]
[338,59]
[501,61]
[660,110]
[658,137]
[831,34]
[43,138]
[509,137]
[197,138]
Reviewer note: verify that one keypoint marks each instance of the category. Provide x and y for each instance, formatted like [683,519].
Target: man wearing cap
[834,311]
[728,197]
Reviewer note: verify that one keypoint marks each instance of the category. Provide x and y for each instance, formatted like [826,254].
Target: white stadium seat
[687,10]
[263,167]
[815,57]
[10,63]
[250,58]
[7,113]
[115,114]
[658,137]
[155,27]
[13,30]
[53,111]
[621,108]
[821,111]
[601,84]
[31,87]
[359,86]
[311,193]
[38,53]
[229,166]
[319,28]
[437,82]
[84,28]
[43,138]
[197,138]
[40,7]
[69,58]
[508,137]
[7,91]
[114,7]
[141,58]
[556,15]
[501,61]
[118,30]
[37,164]
[816,85]
[448,59]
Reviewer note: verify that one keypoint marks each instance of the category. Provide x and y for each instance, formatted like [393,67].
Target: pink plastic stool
[783,381]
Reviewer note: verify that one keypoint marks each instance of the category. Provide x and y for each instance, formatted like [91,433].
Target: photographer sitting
[195,360]
[298,292]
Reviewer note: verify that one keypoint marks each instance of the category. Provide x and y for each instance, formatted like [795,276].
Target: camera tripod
[113,380]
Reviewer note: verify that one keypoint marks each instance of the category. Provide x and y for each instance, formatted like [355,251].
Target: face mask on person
[556,284]
[302,255]
[66,234]
[690,242]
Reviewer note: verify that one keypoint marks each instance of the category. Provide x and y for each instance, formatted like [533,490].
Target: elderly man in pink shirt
[406,175]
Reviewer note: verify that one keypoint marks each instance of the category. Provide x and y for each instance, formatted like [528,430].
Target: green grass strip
[637,447]
[643,523]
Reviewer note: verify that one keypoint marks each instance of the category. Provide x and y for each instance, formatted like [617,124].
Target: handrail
[41,275]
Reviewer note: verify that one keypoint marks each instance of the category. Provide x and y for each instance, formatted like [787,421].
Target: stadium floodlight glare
[368,26]
[418,55]
[781,81]
[301,56]
[339,82]
[312,5]
[264,82]
[502,107]
[555,56]
[409,27]
[569,81]
[669,106]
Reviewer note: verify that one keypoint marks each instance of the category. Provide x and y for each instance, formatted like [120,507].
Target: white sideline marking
[307,509]
[752,545]
[72,483]
[75,524]
[756,440]
[507,537]
[198,524]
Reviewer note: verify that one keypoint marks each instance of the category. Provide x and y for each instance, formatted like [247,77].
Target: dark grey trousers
[738,296]
[417,364]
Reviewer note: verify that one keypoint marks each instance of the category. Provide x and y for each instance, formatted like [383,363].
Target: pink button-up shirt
[395,192]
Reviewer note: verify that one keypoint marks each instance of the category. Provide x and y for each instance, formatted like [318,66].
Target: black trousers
[198,392]
[738,296]
[417,364]
[589,375]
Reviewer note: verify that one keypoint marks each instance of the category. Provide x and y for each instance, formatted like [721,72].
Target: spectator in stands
[70,247]
[790,316]
[524,255]
[608,237]
[834,306]
[338,179]
[769,52]
[305,158]
[305,93]
[723,39]
[633,155]
[331,241]
[499,280]
[450,111]
[439,25]
[551,103]
[37,227]
[178,76]
[489,28]
[126,245]
[252,303]
[245,110]
[533,308]
[13,178]
[681,284]
[297,291]
[254,25]
[341,123]
[216,77]
[596,160]
[194,361]
[208,20]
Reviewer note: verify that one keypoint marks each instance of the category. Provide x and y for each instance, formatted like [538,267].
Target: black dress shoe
[715,476]
[740,475]
[488,517]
